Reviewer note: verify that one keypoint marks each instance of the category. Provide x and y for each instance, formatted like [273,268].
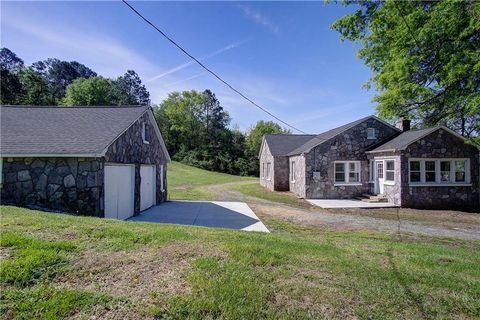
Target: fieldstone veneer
[347,146]
[76,185]
[66,184]
[441,144]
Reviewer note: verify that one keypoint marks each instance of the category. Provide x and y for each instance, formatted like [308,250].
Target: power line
[209,70]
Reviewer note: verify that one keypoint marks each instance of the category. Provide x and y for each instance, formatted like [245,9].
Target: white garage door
[147,187]
[119,191]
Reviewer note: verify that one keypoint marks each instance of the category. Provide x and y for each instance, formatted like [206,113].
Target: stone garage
[102,161]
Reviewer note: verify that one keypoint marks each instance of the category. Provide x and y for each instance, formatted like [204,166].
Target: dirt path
[438,224]
[358,222]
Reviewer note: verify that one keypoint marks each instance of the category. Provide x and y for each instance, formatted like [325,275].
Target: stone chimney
[403,124]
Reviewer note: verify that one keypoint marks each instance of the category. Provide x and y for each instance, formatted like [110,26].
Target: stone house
[102,161]
[426,168]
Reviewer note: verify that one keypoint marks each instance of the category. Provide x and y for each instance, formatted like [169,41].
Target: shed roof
[402,141]
[282,144]
[52,130]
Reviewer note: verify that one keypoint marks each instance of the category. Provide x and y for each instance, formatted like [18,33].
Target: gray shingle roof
[63,130]
[325,136]
[402,141]
[282,144]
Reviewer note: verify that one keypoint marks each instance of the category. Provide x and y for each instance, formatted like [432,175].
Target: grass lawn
[257,191]
[58,266]
[189,183]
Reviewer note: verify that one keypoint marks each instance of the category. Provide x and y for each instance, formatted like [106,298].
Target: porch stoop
[370,198]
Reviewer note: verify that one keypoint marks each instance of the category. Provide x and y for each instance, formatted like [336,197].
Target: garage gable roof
[63,131]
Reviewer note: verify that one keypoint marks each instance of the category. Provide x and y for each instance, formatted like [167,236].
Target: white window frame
[144,133]
[358,167]
[438,182]
[268,171]
[371,171]
[388,181]
[371,134]
[292,171]
[263,170]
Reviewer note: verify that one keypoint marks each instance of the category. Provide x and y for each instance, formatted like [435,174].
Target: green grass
[186,182]
[296,272]
[257,191]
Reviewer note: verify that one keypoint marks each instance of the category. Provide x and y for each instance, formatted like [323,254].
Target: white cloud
[190,63]
[259,18]
[110,57]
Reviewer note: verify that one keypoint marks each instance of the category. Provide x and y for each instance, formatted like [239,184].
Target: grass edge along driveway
[58,266]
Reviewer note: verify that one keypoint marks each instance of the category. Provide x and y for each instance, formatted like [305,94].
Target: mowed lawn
[189,183]
[57,266]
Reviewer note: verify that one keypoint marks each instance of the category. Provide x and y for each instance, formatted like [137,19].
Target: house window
[380,170]
[268,171]
[415,171]
[340,172]
[444,171]
[390,170]
[460,171]
[263,170]
[430,171]
[292,171]
[439,171]
[347,172]
[144,133]
[371,134]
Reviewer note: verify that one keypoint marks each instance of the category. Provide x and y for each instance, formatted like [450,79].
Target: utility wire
[209,70]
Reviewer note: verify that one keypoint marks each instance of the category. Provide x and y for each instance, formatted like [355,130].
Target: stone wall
[441,144]
[76,185]
[298,187]
[347,146]
[266,157]
[66,184]
[130,148]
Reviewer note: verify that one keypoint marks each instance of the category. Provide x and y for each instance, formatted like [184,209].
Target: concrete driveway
[216,214]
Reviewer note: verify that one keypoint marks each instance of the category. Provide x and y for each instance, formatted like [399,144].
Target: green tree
[10,85]
[34,88]
[60,74]
[425,58]
[96,91]
[130,90]
[256,133]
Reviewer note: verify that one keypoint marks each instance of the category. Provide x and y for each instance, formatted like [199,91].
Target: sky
[283,55]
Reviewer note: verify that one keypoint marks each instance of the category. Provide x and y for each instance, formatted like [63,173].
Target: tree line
[56,82]
[194,125]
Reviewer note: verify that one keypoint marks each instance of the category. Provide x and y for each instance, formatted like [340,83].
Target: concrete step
[372,198]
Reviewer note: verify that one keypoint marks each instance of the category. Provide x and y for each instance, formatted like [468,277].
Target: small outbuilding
[102,161]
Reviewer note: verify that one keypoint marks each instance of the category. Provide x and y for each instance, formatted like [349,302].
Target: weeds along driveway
[425,222]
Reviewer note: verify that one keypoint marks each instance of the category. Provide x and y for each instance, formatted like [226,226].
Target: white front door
[119,191]
[147,187]
[379,178]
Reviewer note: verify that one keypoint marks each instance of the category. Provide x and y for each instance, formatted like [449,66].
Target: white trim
[437,182]
[389,182]
[268,176]
[379,151]
[346,163]
[429,184]
[373,134]
[343,184]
